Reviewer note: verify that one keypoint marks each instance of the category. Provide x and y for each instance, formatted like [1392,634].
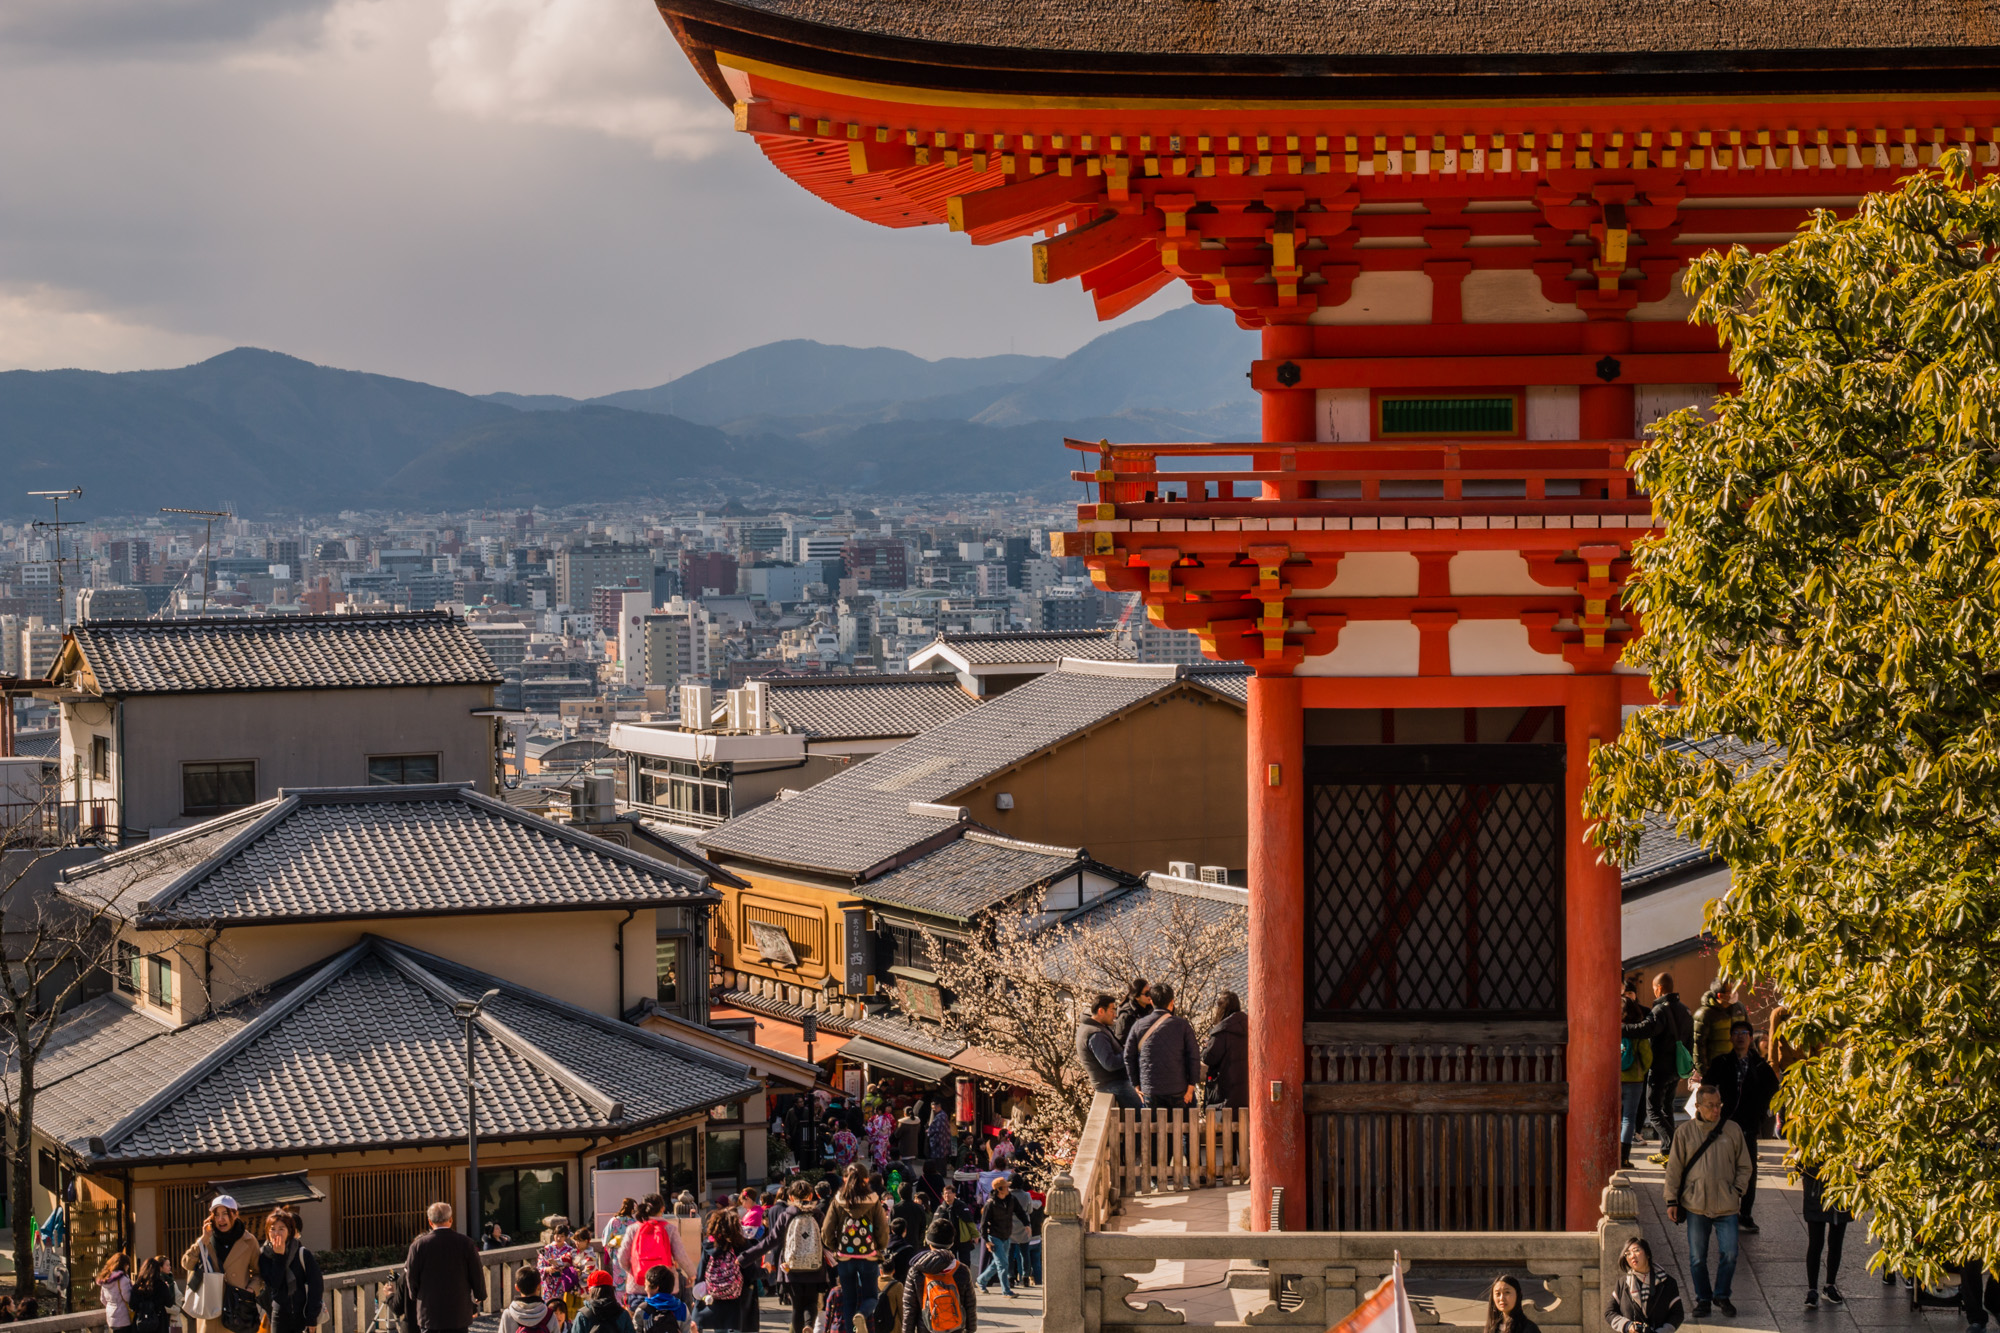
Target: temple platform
[1769,1286]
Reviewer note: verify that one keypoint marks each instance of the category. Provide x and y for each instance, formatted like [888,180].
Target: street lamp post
[466,1012]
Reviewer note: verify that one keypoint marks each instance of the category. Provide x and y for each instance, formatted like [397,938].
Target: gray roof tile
[971,874]
[1146,914]
[369,852]
[866,707]
[365,1051]
[889,1029]
[208,654]
[1034,646]
[861,816]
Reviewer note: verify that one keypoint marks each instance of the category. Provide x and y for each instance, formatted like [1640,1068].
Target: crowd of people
[1711,1158]
[1140,1049]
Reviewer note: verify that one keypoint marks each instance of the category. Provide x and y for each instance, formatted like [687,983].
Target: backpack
[725,1276]
[802,1252]
[857,1235]
[943,1311]
[652,1247]
[1627,1054]
[1683,1059]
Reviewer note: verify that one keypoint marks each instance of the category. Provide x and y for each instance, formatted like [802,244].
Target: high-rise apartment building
[877,563]
[579,569]
[702,571]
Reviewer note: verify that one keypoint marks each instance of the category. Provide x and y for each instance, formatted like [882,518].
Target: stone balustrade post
[1617,1226]
[1062,1258]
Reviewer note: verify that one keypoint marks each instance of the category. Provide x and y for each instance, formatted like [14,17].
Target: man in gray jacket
[1161,1054]
[1097,1051]
[1708,1168]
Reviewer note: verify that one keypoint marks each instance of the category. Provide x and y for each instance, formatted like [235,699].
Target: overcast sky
[534,195]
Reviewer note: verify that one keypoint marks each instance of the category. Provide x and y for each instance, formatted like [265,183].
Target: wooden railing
[1123,1153]
[1411,477]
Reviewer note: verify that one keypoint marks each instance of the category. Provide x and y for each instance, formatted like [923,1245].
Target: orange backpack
[943,1312]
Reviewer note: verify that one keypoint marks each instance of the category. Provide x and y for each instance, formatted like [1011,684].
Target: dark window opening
[402,769]
[519,1197]
[216,789]
[1449,416]
[100,758]
[673,1156]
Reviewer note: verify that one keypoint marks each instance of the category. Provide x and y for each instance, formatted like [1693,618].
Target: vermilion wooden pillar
[1593,961]
[1277,949]
[1288,413]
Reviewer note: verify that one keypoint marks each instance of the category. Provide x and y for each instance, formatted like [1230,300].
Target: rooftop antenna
[56,498]
[207,546]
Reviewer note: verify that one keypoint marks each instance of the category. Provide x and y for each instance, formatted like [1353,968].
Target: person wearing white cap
[224,1246]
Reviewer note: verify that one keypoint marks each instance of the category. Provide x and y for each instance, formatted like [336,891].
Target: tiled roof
[861,816]
[364,1051]
[889,1029]
[1238,33]
[970,874]
[1144,916]
[1227,678]
[346,853]
[208,654]
[1049,646]
[1663,853]
[865,707]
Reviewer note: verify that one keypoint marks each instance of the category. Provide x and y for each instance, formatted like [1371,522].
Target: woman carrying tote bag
[227,1251]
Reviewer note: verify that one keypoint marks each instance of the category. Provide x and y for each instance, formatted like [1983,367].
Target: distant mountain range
[269,433]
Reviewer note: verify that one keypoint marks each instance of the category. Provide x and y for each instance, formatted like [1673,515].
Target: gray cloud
[533,195]
[154,28]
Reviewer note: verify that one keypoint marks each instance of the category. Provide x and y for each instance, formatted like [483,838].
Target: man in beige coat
[1708,1168]
[228,1247]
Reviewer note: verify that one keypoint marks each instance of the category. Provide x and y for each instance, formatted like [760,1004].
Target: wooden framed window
[100,759]
[384,1207]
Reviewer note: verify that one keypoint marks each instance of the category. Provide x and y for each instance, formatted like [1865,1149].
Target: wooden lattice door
[1435,986]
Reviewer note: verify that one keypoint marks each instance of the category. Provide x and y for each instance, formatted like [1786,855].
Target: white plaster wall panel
[1371,574]
[1369,648]
[1383,298]
[1510,296]
[1495,574]
[1500,648]
[1654,401]
[1673,308]
[1342,415]
[1671,916]
[1553,413]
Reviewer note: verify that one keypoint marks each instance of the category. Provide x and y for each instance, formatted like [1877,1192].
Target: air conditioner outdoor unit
[1181,869]
[697,705]
[1215,874]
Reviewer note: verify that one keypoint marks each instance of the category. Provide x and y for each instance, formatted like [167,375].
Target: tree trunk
[20,1185]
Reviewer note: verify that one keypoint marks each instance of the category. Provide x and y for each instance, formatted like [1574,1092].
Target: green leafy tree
[1826,602]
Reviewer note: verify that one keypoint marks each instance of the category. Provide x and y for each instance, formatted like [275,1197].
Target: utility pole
[467,1012]
[207,546]
[56,498]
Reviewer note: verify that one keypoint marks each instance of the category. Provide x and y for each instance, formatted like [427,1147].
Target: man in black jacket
[1161,1054]
[444,1275]
[1748,1084]
[1670,1024]
[996,1228]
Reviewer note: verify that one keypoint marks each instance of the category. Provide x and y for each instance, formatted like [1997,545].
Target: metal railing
[54,823]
